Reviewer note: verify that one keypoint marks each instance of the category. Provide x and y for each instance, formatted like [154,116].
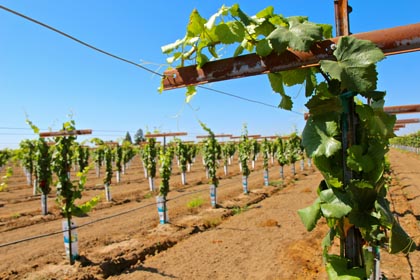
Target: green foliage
[165,170]
[82,157]
[139,136]
[25,154]
[238,210]
[127,138]
[211,153]
[42,162]
[245,147]
[183,154]
[149,157]
[98,154]
[264,33]
[5,156]
[128,152]
[353,192]
[265,148]
[5,178]
[355,66]
[195,202]
[294,148]
[118,154]
[281,147]
[108,165]
[68,191]
[409,140]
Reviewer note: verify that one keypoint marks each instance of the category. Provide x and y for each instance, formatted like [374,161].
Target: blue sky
[47,76]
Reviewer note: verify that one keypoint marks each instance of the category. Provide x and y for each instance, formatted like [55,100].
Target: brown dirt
[255,236]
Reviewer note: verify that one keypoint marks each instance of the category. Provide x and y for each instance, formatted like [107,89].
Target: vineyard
[337,200]
[123,234]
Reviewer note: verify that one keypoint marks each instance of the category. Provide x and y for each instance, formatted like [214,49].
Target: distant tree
[127,138]
[139,136]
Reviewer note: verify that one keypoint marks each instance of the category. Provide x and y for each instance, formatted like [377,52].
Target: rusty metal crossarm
[155,135]
[65,133]
[407,121]
[394,40]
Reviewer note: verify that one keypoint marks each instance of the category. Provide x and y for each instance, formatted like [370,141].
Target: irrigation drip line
[94,221]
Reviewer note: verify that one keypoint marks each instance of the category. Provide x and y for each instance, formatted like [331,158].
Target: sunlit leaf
[263,48]
[191,91]
[299,36]
[319,137]
[355,65]
[196,24]
[276,81]
[310,215]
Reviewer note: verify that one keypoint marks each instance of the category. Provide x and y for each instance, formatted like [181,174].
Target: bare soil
[255,236]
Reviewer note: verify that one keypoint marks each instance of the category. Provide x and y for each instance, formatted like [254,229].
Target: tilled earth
[255,236]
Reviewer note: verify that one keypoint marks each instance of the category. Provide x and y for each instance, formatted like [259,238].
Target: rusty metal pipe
[407,121]
[403,109]
[342,22]
[394,40]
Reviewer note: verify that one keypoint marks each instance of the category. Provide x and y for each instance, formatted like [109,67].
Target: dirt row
[255,236]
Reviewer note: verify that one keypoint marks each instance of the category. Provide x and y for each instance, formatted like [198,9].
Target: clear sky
[47,77]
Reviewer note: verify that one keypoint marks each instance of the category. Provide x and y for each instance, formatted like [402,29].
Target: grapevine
[150,154]
[211,152]
[293,151]
[265,147]
[25,155]
[352,196]
[82,157]
[108,165]
[165,170]
[244,154]
[67,191]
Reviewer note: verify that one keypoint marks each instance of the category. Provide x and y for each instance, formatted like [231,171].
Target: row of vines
[49,162]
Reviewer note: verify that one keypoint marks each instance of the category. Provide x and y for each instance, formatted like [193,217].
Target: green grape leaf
[355,65]
[310,215]
[399,240]
[310,83]
[278,20]
[266,13]
[299,36]
[332,206]
[357,161]
[201,59]
[195,25]
[265,28]
[239,50]
[229,33]
[375,95]
[319,137]
[379,124]
[276,81]
[326,30]
[294,77]
[191,91]
[263,48]
[362,219]
[337,268]
[319,105]
[35,129]
[237,12]
[328,239]
[386,217]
